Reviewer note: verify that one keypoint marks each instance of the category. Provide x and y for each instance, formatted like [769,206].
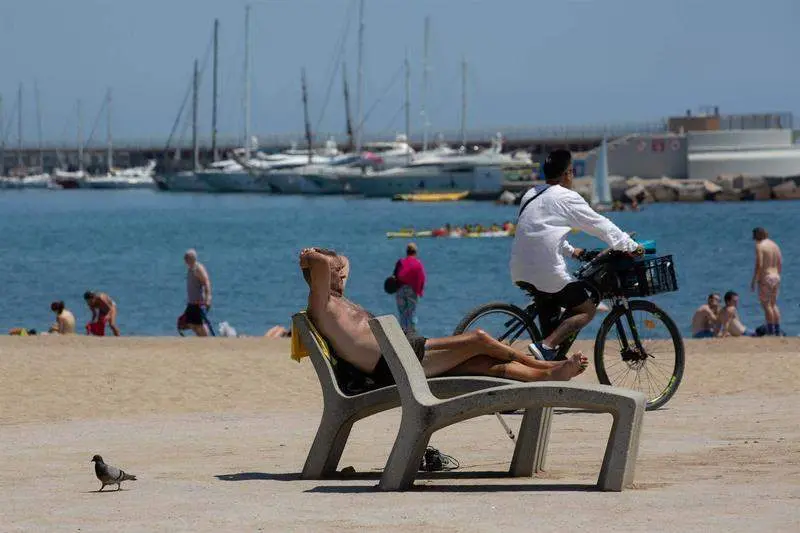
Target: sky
[529,63]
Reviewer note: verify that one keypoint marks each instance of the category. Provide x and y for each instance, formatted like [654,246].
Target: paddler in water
[104,311]
[444,231]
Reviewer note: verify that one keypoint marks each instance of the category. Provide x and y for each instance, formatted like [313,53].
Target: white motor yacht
[480,173]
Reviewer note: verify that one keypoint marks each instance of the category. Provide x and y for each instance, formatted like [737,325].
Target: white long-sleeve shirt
[540,241]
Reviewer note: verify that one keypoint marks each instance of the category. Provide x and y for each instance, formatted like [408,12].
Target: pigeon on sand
[109,475]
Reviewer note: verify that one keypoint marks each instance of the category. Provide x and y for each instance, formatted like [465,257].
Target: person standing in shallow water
[410,272]
[767,277]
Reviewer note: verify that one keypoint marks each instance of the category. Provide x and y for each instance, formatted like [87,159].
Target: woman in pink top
[411,275]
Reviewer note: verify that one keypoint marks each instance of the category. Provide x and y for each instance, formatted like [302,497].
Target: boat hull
[181,182]
[231,182]
[304,183]
[478,181]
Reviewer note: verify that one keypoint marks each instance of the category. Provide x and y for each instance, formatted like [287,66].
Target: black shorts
[193,314]
[382,375]
[549,304]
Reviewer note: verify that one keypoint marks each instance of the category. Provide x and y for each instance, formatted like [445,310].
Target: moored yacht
[481,174]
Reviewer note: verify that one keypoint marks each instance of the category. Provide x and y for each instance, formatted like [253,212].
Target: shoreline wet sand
[217,430]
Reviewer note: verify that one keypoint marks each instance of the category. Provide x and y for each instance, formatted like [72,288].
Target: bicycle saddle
[529,289]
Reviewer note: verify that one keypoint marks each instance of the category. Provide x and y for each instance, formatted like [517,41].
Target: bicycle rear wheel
[505,322]
[648,354]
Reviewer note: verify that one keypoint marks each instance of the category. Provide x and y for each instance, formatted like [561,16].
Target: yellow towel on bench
[299,350]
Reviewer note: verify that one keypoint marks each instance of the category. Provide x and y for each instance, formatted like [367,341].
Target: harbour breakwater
[665,189]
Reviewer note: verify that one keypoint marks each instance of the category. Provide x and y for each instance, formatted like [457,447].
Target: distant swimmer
[65,320]
[767,276]
[729,324]
[705,319]
[104,311]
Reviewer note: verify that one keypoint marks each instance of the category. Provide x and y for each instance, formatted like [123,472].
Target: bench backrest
[322,363]
[405,366]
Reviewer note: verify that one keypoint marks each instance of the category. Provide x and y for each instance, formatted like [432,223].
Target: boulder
[787,190]
[507,198]
[726,182]
[749,182]
[691,192]
[661,193]
[757,192]
[730,195]
[639,193]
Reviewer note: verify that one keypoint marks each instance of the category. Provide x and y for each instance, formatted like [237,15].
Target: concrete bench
[423,413]
[341,410]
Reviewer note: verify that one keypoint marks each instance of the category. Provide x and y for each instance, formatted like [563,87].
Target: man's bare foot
[573,366]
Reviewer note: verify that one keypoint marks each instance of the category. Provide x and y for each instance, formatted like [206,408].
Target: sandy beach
[217,431]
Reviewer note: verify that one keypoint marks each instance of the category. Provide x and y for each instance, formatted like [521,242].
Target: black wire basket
[650,276]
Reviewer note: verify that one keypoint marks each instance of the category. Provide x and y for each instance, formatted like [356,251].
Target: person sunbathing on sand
[278,332]
[345,325]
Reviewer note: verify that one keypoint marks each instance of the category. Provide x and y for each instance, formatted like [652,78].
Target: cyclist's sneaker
[541,353]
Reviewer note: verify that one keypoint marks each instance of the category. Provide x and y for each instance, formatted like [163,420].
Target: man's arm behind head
[317,268]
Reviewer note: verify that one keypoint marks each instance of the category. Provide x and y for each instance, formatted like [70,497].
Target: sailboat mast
[2,140]
[80,137]
[464,103]
[214,94]
[425,68]
[19,128]
[39,124]
[247,82]
[109,140]
[195,147]
[360,82]
[348,117]
[407,103]
[305,112]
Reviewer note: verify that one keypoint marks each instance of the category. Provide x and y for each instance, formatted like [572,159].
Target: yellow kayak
[408,234]
[432,196]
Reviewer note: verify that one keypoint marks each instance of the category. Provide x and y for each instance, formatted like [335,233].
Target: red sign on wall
[658,145]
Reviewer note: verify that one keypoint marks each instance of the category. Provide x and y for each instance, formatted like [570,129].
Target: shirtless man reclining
[345,325]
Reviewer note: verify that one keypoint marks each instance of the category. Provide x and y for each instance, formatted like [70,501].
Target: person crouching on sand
[345,325]
[104,311]
[65,320]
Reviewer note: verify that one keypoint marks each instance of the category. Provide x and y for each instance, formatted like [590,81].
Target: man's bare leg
[484,365]
[478,342]
[112,321]
[582,315]
[768,314]
[199,330]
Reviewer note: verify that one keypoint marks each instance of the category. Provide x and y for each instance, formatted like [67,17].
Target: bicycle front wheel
[645,352]
[505,322]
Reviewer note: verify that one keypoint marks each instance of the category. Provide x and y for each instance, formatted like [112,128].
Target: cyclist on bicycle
[547,214]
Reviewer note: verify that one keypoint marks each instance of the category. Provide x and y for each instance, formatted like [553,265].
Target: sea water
[54,245]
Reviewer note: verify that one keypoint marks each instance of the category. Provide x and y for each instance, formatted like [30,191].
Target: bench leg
[531,448]
[329,443]
[403,463]
[619,461]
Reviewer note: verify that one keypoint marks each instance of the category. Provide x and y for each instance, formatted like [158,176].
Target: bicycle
[617,277]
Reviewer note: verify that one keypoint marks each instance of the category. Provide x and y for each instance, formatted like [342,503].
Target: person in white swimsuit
[767,276]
